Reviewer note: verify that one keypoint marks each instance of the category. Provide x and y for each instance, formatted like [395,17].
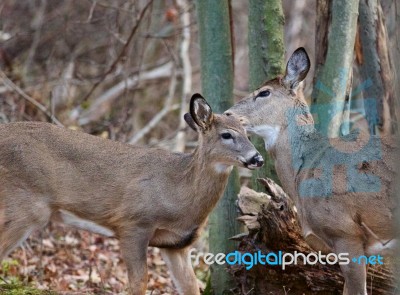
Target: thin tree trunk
[217,85]
[397,253]
[394,36]
[295,24]
[376,66]
[396,54]
[334,44]
[266,59]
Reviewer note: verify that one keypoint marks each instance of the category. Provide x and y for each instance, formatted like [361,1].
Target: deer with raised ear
[142,196]
[343,189]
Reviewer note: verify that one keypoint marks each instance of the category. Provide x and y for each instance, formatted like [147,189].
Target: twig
[3,118]
[40,261]
[92,7]
[117,8]
[37,23]
[286,292]
[102,103]
[122,53]
[10,84]
[4,280]
[102,285]
[157,118]
[153,122]
[187,71]
[62,90]
[24,259]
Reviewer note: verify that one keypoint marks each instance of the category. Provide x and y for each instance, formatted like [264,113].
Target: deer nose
[257,160]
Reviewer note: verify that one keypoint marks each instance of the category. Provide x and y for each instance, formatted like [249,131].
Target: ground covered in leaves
[69,261]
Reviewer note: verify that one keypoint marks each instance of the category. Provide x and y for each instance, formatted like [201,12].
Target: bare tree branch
[37,23]
[123,51]
[10,84]
[153,123]
[187,71]
[157,118]
[102,104]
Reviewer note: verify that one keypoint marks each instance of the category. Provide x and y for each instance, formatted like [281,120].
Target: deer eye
[264,93]
[226,135]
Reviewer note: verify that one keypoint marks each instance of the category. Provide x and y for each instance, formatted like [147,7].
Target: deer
[142,196]
[335,213]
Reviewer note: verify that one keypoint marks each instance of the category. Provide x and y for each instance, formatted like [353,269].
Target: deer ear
[200,112]
[189,120]
[296,69]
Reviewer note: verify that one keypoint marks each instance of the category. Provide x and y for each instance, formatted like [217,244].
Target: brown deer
[343,189]
[143,196]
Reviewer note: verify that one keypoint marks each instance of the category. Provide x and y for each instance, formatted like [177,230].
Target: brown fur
[344,221]
[145,196]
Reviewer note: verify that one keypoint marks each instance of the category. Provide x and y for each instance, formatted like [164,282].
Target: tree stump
[271,220]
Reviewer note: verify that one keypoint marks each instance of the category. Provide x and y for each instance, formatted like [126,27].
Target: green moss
[208,289]
[17,288]
[217,84]
[266,61]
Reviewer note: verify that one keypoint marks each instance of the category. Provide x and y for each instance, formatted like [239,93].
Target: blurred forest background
[110,67]
[124,70]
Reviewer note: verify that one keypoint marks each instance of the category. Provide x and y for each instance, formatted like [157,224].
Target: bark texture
[217,85]
[376,67]
[336,31]
[266,59]
[271,220]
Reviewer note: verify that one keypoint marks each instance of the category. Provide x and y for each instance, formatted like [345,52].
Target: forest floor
[71,261]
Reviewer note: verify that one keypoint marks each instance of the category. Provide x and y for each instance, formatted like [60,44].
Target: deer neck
[291,146]
[206,180]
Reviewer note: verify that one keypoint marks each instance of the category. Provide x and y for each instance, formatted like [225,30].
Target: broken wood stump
[271,221]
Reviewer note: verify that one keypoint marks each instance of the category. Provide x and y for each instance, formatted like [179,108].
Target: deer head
[263,112]
[222,138]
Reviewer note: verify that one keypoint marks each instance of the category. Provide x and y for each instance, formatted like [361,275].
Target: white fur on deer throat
[222,168]
[268,132]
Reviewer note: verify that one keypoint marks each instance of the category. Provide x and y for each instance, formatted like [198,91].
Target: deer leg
[355,275]
[19,217]
[134,251]
[12,236]
[180,266]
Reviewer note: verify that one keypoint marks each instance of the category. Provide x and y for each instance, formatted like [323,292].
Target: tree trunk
[376,68]
[394,37]
[266,59]
[217,85]
[272,224]
[397,254]
[334,44]
[396,54]
[396,50]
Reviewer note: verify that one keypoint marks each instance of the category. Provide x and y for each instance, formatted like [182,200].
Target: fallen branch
[272,225]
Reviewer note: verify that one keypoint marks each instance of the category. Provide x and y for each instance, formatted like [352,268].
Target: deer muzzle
[255,162]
